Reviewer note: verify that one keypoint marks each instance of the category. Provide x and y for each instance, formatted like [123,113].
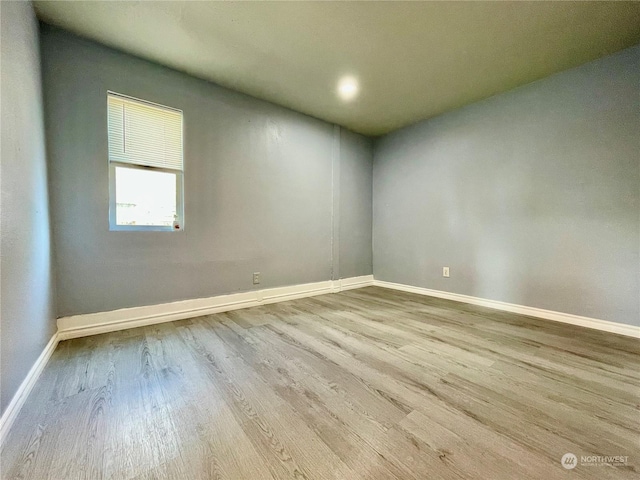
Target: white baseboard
[604,325]
[25,388]
[353,282]
[94,323]
[102,322]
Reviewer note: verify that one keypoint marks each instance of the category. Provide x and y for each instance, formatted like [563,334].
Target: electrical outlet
[445,272]
[256,278]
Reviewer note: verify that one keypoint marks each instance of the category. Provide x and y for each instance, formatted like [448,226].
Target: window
[145,165]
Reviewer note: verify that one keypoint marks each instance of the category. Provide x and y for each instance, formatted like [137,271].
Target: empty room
[319,240]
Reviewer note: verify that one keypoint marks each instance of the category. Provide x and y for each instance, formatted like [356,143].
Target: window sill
[143,228]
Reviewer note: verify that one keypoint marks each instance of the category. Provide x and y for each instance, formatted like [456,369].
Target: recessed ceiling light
[348,88]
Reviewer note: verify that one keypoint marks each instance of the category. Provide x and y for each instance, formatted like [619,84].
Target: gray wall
[27,319]
[356,176]
[530,197]
[259,188]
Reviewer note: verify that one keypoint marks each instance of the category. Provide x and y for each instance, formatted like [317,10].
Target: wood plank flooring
[366,384]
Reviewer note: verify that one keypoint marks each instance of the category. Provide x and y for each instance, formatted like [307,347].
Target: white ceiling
[413,60]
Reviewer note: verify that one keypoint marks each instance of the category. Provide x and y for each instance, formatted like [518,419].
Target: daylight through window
[145,165]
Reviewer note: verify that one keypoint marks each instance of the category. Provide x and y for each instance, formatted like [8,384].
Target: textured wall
[259,188]
[27,315]
[530,197]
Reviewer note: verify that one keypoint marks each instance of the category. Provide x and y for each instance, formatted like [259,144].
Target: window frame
[113,225]
[113,219]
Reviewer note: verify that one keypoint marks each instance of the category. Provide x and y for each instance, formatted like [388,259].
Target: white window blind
[144,134]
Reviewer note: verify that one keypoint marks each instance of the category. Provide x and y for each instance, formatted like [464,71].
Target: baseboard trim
[594,323]
[95,323]
[103,322]
[353,282]
[10,414]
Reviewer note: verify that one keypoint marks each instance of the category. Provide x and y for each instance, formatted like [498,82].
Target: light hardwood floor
[367,384]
